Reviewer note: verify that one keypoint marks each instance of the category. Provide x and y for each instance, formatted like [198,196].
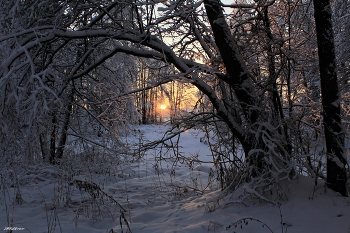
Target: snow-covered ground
[166,195]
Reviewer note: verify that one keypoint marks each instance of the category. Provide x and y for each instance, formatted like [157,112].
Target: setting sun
[163,107]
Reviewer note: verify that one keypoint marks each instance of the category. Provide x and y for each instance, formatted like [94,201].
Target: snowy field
[157,194]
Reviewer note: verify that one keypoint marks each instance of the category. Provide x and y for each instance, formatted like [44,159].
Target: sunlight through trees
[80,74]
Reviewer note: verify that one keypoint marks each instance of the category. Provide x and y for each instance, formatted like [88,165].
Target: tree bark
[336,161]
[234,63]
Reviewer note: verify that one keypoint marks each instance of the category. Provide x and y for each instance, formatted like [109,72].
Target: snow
[168,196]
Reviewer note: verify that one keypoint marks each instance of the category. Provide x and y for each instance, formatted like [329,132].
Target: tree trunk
[63,138]
[43,147]
[53,139]
[336,161]
[234,63]
[240,81]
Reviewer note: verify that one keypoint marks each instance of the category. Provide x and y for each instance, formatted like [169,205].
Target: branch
[248,6]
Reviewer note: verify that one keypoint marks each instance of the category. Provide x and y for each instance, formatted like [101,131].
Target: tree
[44,95]
[255,85]
[336,160]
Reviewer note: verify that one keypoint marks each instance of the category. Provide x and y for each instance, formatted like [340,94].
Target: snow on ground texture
[167,198]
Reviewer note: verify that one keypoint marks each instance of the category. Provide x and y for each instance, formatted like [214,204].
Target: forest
[264,83]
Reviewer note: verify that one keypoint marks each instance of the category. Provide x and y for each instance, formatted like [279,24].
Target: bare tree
[42,87]
[336,160]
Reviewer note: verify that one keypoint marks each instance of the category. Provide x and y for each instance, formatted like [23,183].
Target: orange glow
[163,106]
